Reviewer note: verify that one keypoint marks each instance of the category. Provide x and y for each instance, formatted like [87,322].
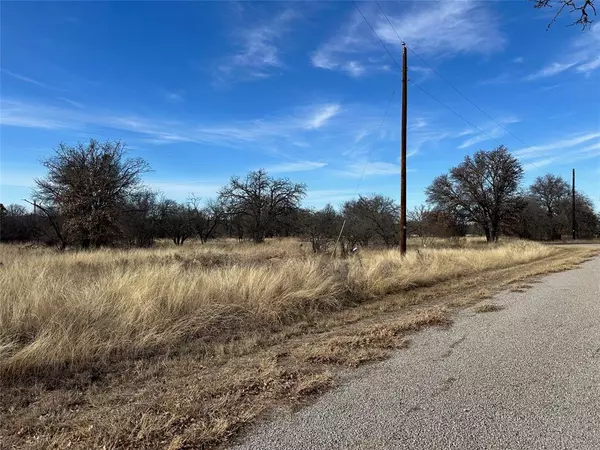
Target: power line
[448,82]
[376,35]
[454,112]
[455,89]
[375,141]
[387,109]
[415,84]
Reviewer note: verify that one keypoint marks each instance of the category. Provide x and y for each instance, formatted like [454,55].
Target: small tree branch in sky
[582,9]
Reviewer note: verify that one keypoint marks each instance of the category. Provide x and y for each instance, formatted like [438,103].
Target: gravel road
[525,377]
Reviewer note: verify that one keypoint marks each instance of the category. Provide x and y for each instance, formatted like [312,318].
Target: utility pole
[573,224]
[403,153]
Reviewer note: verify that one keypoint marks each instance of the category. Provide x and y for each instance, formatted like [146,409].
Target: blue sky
[206,90]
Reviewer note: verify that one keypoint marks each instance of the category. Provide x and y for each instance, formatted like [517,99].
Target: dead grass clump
[371,343]
[488,307]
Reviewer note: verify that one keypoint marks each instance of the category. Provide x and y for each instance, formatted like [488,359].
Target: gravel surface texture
[525,377]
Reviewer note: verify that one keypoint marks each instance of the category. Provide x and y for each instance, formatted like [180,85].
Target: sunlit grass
[65,310]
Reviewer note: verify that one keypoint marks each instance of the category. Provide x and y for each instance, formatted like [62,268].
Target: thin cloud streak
[24,78]
[298,166]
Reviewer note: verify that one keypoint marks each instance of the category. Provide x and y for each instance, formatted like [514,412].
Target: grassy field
[178,347]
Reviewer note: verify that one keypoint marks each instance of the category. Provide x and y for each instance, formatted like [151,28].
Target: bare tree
[88,185]
[176,220]
[370,216]
[420,222]
[549,192]
[139,223]
[261,200]
[206,218]
[322,227]
[581,8]
[483,189]
[57,224]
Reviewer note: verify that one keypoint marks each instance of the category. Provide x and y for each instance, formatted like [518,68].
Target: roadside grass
[62,312]
[149,349]
[488,307]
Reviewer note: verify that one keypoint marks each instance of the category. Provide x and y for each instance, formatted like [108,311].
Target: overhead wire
[376,35]
[447,82]
[375,141]
[387,109]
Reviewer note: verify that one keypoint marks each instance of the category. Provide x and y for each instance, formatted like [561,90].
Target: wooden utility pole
[403,153]
[573,224]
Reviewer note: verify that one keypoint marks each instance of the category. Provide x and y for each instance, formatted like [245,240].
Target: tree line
[93,196]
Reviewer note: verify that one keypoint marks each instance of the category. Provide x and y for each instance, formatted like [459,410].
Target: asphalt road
[526,377]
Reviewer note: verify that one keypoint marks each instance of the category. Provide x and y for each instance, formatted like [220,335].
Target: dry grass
[64,311]
[154,350]
[488,307]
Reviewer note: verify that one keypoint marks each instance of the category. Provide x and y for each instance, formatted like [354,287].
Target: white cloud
[71,102]
[492,132]
[562,151]
[425,72]
[550,70]
[518,60]
[297,166]
[441,29]
[373,168]
[445,28]
[24,78]
[322,115]
[320,197]
[581,55]
[174,97]
[538,164]
[301,127]
[490,135]
[589,67]
[536,150]
[259,55]
[417,123]
[501,78]
[183,189]
[589,148]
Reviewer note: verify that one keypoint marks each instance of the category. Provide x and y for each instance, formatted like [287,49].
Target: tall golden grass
[66,310]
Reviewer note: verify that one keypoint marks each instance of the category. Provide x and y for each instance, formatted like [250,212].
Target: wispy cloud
[550,70]
[422,72]
[440,29]
[183,189]
[592,147]
[296,166]
[319,197]
[25,79]
[322,115]
[71,102]
[492,131]
[536,150]
[561,151]
[174,96]
[305,129]
[581,56]
[502,78]
[538,163]
[589,67]
[373,168]
[258,55]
